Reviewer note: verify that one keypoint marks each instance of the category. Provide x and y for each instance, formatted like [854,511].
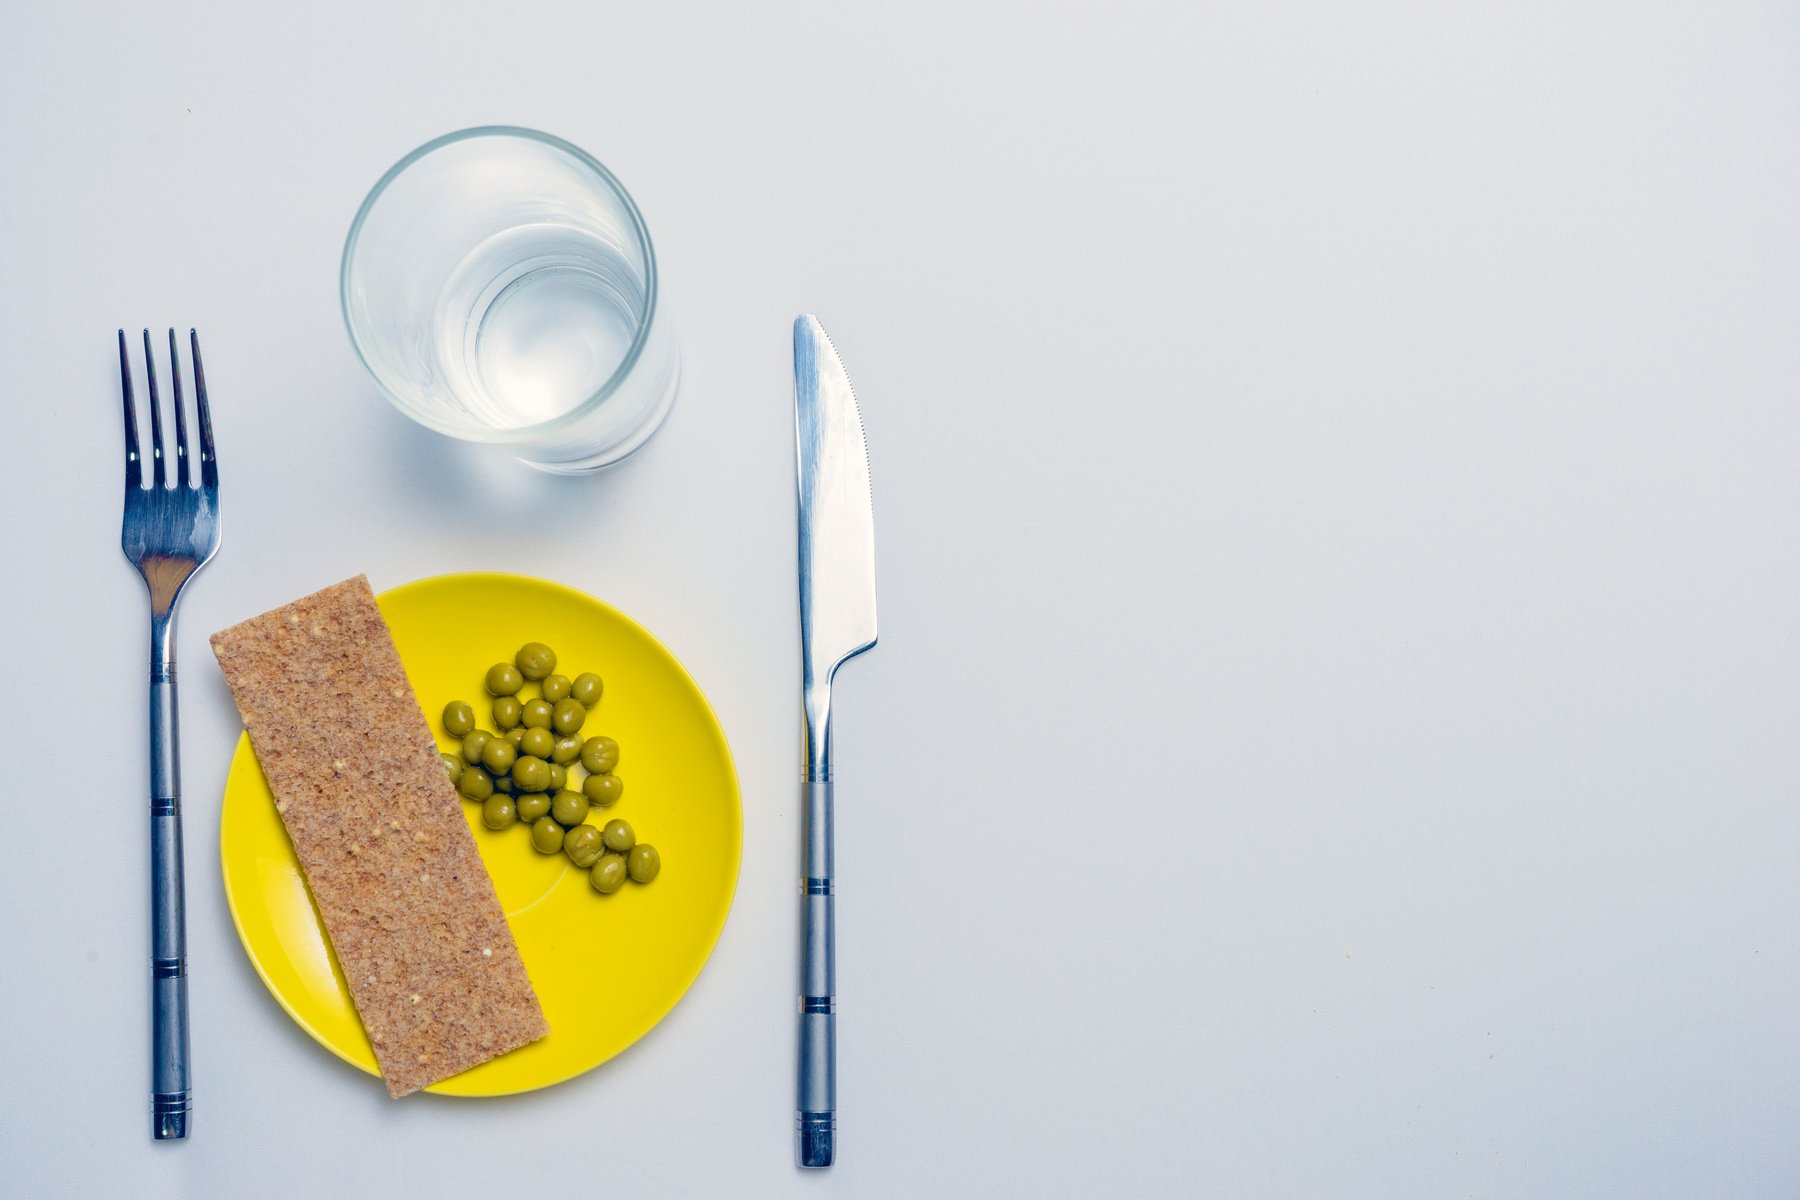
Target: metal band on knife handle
[170,1095]
[816,1085]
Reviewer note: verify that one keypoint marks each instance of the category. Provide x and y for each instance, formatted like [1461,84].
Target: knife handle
[816,1084]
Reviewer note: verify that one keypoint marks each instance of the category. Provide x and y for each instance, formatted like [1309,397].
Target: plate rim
[243,747]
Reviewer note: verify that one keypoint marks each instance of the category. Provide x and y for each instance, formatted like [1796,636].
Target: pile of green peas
[521,775]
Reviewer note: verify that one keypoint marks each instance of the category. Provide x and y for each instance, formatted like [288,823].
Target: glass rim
[652,291]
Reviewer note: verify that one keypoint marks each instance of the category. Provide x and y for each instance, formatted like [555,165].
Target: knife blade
[837,622]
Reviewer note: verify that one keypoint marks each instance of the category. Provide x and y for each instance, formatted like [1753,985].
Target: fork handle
[170,1098]
[816,1085]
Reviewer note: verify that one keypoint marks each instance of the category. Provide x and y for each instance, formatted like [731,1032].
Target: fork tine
[209,469]
[157,478]
[181,446]
[134,476]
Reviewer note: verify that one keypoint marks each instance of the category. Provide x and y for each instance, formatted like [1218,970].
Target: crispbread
[407,904]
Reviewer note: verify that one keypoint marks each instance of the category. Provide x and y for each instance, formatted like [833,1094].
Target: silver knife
[837,622]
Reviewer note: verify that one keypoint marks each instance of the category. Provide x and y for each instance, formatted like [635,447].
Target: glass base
[565,458]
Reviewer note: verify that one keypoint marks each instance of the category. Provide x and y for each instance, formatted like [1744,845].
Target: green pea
[539,743]
[498,757]
[474,783]
[644,862]
[555,687]
[538,714]
[587,688]
[531,774]
[568,716]
[503,679]
[498,812]
[608,875]
[559,778]
[603,791]
[569,808]
[503,784]
[533,806]
[515,738]
[454,765]
[506,712]
[583,846]
[459,718]
[474,742]
[618,836]
[568,749]
[599,755]
[546,836]
[535,660]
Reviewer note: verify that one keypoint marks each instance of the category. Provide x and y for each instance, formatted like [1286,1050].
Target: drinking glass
[500,285]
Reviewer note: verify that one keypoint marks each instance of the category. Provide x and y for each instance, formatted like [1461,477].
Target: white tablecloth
[1339,533]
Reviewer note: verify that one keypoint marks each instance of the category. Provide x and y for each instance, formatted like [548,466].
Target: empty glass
[500,286]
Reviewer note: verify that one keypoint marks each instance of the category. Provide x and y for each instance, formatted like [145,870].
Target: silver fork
[171,531]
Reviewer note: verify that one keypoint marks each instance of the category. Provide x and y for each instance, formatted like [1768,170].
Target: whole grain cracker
[406,901]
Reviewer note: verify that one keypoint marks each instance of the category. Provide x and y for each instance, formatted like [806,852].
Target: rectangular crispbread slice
[406,901]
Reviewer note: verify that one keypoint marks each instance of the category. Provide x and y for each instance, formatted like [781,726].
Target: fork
[170,532]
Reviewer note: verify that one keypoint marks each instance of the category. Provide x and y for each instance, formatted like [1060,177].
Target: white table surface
[1338,480]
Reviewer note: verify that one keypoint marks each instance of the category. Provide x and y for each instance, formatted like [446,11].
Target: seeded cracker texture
[406,901]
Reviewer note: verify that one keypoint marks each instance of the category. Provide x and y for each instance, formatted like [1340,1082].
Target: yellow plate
[607,968]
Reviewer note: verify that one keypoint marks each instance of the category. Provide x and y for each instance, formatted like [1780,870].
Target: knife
[837,622]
